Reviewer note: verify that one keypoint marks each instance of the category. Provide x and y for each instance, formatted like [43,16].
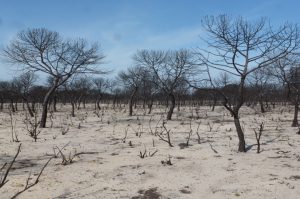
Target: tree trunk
[1,104]
[131,100]
[98,102]
[214,103]
[114,101]
[150,106]
[239,130]
[172,106]
[45,105]
[16,105]
[295,120]
[33,106]
[262,108]
[73,109]
[54,103]
[84,103]
[29,109]
[12,106]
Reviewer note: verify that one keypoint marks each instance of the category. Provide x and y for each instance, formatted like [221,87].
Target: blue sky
[123,26]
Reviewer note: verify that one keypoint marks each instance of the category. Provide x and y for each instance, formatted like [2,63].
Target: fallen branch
[212,147]
[3,179]
[28,186]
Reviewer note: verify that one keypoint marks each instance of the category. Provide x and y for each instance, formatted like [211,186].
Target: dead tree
[287,70]
[100,85]
[259,82]
[240,47]
[258,136]
[170,69]
[46,51]
[132,79]
[23,85]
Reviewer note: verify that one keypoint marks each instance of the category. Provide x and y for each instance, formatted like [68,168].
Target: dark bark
[12,107]
[33,106]
[98,102]
[54,103]
[29,109]
[1,104]
[172,106]
[16,105]
[235,113]
[296,109]
[261,103]
[73,109]
[239,130]
[131,100]
[150,106]
[46,103]
[214,102]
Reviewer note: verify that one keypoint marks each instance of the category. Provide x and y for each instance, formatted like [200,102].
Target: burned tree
[100,85]
[287,70]
[240,47]
[42,50]
[170,69]
[23,85]
[260,84]
[132,79]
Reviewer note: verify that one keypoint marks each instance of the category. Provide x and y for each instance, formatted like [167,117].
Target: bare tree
[5,93]
[259,81]
[287,71]
[132,79]
[240,47]
[170,69]
[45,51]
[75,89]
[23,84]
[100,86]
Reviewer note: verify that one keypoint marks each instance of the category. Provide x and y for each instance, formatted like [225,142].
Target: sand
[110,166]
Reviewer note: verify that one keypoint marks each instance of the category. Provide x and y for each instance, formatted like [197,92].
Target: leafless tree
[5,94]
[23,84]
[75,89]
[169,69]
[46,51]
[240,47]
[100,86]
[259,81]
[287,70]
[132,79]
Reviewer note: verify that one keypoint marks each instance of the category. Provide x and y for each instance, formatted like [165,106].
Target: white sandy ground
[116,170]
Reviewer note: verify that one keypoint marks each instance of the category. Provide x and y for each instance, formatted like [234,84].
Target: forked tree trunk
[296,109]
[172,106]
[45,106]
[235,113]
